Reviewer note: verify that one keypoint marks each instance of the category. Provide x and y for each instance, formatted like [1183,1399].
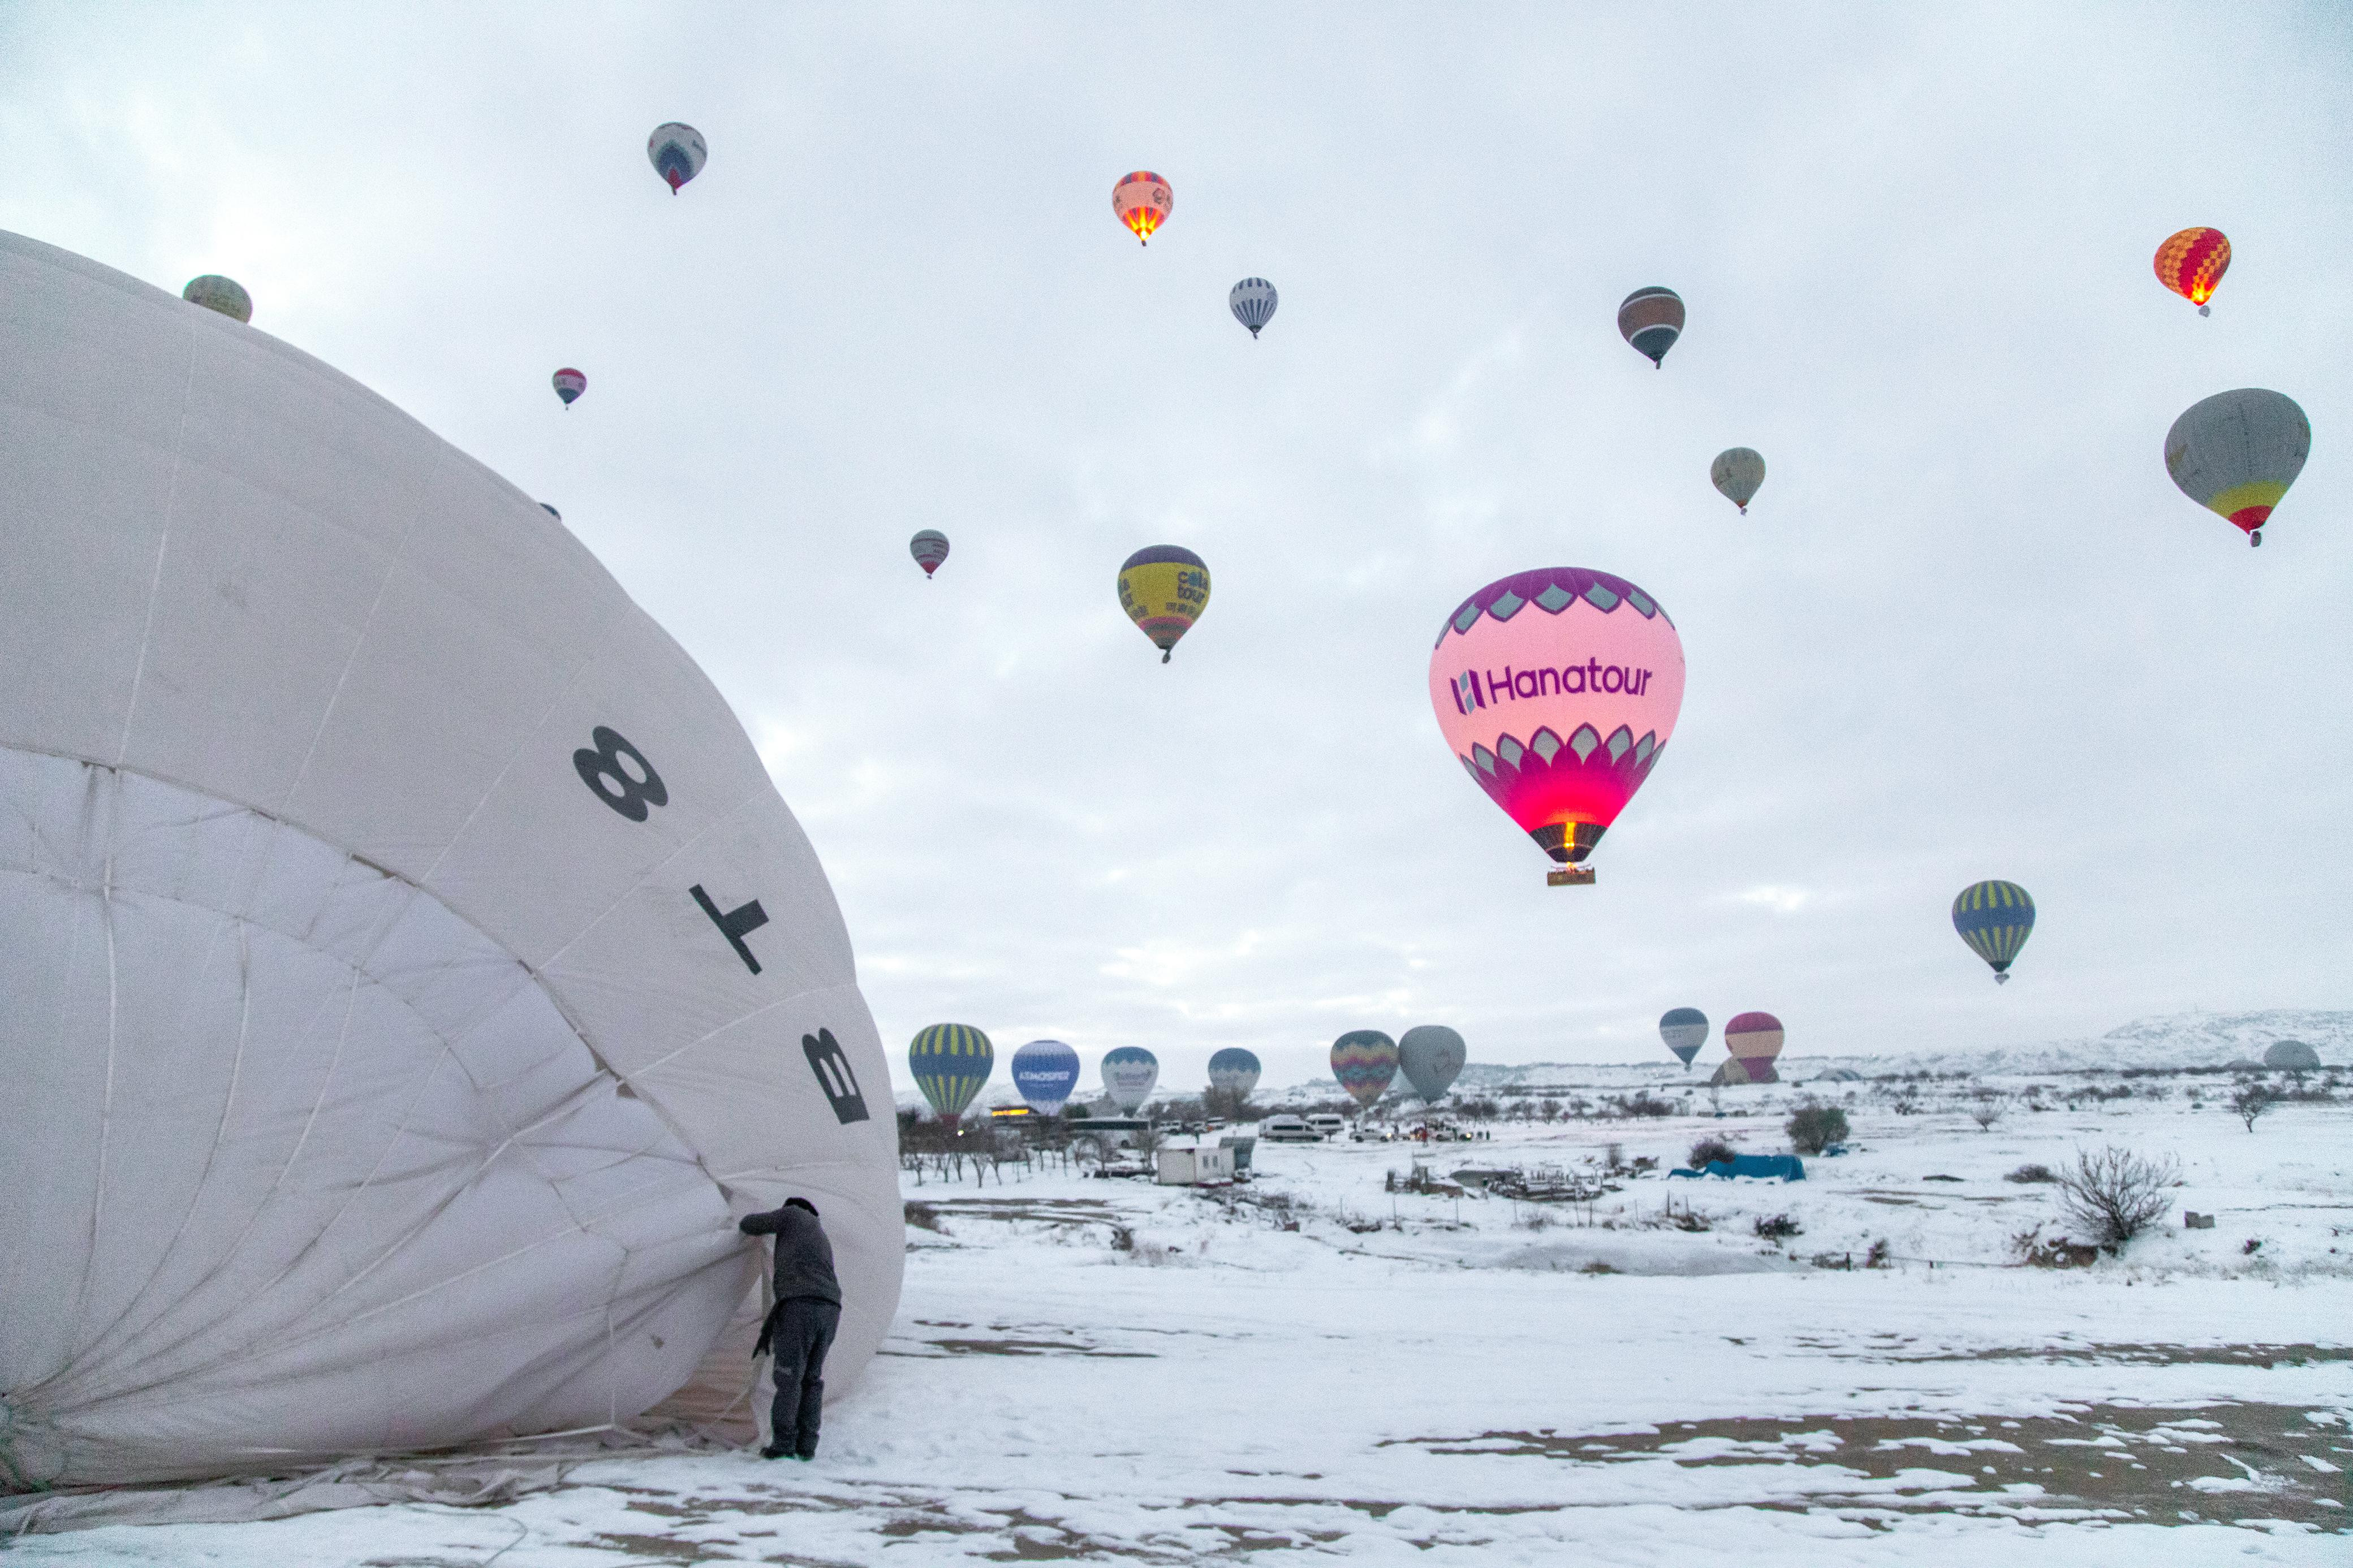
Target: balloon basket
[1569,877]
[2000,977]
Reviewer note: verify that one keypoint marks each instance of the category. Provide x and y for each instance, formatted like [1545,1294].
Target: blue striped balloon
[1252,301]
[1995,919]
[950,1061]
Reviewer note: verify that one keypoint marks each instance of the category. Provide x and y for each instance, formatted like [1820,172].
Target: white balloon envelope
[410,968]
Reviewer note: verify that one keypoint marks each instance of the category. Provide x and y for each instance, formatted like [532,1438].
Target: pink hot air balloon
[1557,690]
[1755,1040]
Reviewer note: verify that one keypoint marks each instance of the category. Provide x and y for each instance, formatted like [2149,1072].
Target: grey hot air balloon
[215,292]
[1684,1029]
[929,548]
[1430,1055]
[1129,1073]
[1737,472]
[2236,453]
[1252,301]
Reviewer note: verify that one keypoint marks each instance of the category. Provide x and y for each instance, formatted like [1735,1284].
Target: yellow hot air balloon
[1164,588]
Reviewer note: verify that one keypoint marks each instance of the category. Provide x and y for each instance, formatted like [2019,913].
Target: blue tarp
[1785,1167]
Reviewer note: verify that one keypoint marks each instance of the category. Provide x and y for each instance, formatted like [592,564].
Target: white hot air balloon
[1738,472]
[1252,302]
[677,152]
[410,969]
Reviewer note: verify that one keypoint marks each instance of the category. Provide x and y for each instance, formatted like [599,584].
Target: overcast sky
[1969,629]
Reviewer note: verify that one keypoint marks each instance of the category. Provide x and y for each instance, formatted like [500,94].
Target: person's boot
[773,1452]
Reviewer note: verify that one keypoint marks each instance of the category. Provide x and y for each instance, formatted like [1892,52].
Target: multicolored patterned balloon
[1365,1061]
[1234,1071]
[2236,453]
[677,152]
[1143,200]
[1739,473]
[1652,320]
[950,1062]
[1684,1029]
[1128,1074]
[1164,588]
[215,292]
[569,384]
[1755,1040]
[1558,689]
[1430,1056]
[929,548]
[1995,919]
[1044,1074]
[2192,264]
[1252,302]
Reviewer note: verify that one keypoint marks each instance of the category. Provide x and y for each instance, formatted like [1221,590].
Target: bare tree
[2251,1100]
[2115,1194]
[1985,1108]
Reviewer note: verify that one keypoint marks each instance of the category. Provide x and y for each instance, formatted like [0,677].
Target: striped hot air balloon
[1755,1040]
[677,153]
[1252,302]
[2192,264]
[1995,919]
[1738,472]
[2236,453]
[1365,1061]
[569,384]
[1143,200]
[1234,1071]
[1129,1073]
[215,292]
[950,1063]
[1652,320]
[1684,1029]
[1164,588]
[929,548]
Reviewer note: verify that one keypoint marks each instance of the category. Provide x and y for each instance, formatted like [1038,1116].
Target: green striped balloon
[951,1062]
[1995,919]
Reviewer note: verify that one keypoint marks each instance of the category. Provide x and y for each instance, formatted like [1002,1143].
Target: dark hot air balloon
[1252,302]
[1995,919]
[1652,320]
[1234,1071]
[215,292]
[569,384]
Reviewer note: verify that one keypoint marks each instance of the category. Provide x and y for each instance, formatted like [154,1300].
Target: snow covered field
[1314,1366]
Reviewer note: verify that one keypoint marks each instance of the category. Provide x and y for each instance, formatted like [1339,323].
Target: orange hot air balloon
[2192,264]
[1143,202]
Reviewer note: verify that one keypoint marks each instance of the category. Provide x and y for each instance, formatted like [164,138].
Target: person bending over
[799,1327]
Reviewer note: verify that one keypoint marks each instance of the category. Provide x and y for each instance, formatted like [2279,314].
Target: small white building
[1194,1166]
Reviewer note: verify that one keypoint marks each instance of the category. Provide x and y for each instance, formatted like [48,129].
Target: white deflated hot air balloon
[410,969]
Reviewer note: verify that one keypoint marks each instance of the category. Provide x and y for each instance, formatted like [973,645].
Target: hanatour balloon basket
[1569,877]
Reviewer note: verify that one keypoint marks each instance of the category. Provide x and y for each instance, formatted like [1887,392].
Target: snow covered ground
[1315,1367]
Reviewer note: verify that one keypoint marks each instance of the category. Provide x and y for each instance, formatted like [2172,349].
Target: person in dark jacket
[799,1328]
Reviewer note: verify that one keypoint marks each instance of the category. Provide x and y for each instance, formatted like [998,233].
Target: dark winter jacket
[804,1256]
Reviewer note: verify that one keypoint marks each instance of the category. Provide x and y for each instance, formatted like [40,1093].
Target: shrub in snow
[1779,1227]
[1815,1127]
[2033,1174]
[1708,1151]
[2116,1195]
[1984,1109]
[2251,1100]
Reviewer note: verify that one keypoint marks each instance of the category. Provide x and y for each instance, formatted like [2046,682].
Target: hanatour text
[1570,680]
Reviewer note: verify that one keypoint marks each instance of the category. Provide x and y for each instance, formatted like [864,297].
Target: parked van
[1287,1129]
[1327,1125]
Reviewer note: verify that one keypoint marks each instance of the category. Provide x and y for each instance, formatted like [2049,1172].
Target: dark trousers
[801,1331]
